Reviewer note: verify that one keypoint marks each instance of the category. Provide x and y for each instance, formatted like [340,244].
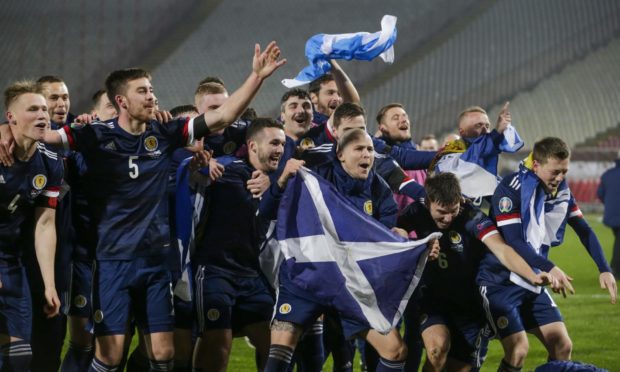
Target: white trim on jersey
[190,132]
[489,234]
[45,151]
[514,183]
[50,193]
[65,140]
[509,221]
[326,147]
[575,213]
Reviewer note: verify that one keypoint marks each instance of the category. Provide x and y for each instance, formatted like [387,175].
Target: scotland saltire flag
[343,258]
[189,205]
[360,45]
[544,221]
[512,142]
[475,163]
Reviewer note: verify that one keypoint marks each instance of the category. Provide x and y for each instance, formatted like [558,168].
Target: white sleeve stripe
[405,184]
[64,139]
[190,132]
[51,194]
[508,221]
[575,213]
[490,233]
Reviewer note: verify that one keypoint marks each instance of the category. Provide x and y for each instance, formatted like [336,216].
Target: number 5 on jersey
[133,167]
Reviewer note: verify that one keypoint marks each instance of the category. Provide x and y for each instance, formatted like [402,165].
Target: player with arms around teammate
[531,208]
[28,190]
[128,163]
[450,311]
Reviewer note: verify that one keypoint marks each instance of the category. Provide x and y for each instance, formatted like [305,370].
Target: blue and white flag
[346,259]
[360,45]
[189,204]
[512,142]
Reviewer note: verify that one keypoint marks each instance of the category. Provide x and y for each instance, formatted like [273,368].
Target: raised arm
[263,65]
[347,89]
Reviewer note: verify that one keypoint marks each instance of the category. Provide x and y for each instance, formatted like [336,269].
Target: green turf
[592,322]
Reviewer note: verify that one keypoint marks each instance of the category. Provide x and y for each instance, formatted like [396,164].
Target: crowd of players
[88,232]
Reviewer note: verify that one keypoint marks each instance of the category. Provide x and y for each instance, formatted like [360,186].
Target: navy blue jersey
[372,195]
[126,184]
[384,166]
[507,210]
[316,136]
[229,142]
[24,186]
[230,231]
[451,279]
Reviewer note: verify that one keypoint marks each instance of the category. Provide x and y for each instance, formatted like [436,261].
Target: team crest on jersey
[213,314]
[80,301]
[98,317]
[150,143]
[306,143]
[505,204]
[229,147]
[39,181]
[456,240]
[368,207]
[285,308]
[502,322]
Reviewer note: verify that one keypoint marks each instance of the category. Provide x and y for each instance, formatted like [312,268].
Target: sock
[16,356]
[99,366]
[78,358]
[506,367]
[385,365]
[279,358]
[310,355]
[161,365]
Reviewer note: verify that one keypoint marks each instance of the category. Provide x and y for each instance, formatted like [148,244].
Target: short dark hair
[385,109]
[248,115]
[429,137]
[13,91]
[550,147]
[443,189]
[258,125]
[211,79]
[97,96]
[315,85]
[349,137]
[347,110]
[116,82]
[49,79]
[295,92]
[183,109]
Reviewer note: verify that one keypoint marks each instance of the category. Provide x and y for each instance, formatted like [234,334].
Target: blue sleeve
[588,238]
[270,202]
[411,159]
[388,210]
[412,189]
[506,206]
[600,192]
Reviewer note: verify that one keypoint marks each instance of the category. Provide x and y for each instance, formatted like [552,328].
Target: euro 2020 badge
[505,204]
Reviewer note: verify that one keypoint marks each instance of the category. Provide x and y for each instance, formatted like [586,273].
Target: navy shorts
[140,288]
[302,311]
[511,309]
[469,333]
[227,302]
[81,289]
[15,303]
